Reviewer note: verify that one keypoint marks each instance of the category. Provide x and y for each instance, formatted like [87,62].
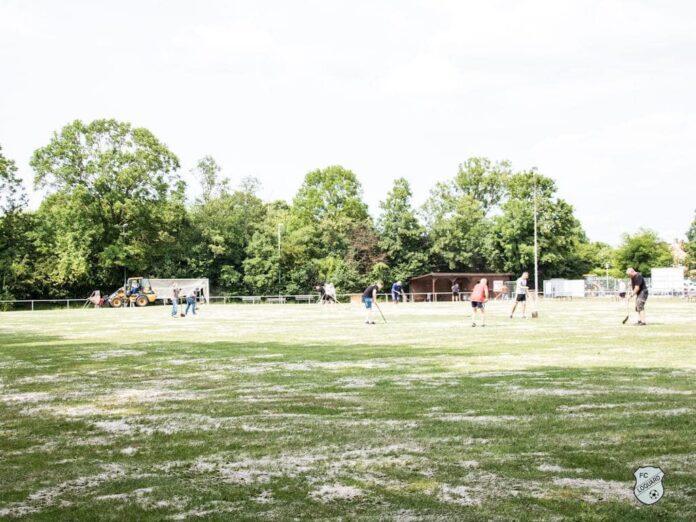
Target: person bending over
[479,296]
[369,296]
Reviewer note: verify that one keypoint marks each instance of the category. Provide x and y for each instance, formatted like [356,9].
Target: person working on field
[175,299]
[330,293]
[397,292]
[322,292]
[622,289]
[191,301]
[640,291]
[369,296]
[479,296]
[521,291]
[455,292]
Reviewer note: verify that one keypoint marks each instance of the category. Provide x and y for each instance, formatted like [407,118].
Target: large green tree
[643,251]
[402,237]
[510,243]
[224,226]
[15,249]
[110,185]
[207,171]
[457,213]
[328,213]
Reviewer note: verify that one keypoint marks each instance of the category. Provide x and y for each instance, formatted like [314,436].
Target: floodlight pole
[280,226]
[536,240]
[123,237]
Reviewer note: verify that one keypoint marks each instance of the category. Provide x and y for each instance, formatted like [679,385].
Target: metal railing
[425,297]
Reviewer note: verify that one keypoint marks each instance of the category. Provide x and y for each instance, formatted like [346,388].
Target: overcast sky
[600,95]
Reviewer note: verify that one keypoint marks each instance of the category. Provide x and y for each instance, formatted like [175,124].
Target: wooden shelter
[437,284]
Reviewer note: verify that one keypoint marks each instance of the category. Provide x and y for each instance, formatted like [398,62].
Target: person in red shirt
[479,296]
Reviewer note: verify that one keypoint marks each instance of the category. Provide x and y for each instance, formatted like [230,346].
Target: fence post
[68,303]
[32,305]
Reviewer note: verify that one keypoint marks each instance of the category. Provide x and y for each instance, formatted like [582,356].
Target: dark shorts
[368,302]
[640,300]
[521,297]
[477,304]
[622,295]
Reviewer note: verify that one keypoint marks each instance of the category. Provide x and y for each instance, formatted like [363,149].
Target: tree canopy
[116,206]
[643,251]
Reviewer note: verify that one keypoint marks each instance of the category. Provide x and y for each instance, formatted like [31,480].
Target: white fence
[439,297]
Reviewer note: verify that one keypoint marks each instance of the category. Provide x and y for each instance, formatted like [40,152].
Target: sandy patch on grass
[334,492]
[217,507]
[464,417]
[118,427]
[249,470]
[356,382]
[325,462]
[549,392]
[109,354]
[155,394]
[598,490]
[47,378]
[52,496]
[344,396]
[462,495]
[598,406]
[164,424]
[550,468]
[133,495]
[482,486]
[26,397]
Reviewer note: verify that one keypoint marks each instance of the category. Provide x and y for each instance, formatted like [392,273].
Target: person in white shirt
[521,291]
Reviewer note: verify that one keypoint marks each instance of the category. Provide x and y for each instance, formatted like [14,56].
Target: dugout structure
[439,284]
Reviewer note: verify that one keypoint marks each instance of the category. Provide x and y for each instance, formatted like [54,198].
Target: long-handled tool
[628,310]
[380,311]
[535,309]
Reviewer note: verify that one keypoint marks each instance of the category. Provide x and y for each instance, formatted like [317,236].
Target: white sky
[600,95]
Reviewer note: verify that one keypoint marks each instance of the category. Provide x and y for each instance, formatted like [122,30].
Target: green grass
[303,412]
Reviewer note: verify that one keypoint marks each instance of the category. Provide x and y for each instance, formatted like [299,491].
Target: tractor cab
[137,291]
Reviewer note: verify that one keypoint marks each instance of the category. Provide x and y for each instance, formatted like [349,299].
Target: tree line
[116,204]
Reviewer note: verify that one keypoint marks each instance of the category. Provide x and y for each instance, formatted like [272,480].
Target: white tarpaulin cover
[163,287]
[564,288]
[667,280]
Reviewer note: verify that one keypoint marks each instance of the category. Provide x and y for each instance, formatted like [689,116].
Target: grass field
[296,412]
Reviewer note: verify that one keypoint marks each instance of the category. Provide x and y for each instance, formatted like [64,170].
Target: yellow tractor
[137,291]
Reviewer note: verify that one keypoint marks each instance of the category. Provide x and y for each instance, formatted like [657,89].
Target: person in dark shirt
[640,290]
[368,297]
[322,292]
[455,292]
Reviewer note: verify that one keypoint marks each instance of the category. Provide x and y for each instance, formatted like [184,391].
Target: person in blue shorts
[368,297]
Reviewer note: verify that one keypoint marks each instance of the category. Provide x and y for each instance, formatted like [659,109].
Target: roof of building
[462,274]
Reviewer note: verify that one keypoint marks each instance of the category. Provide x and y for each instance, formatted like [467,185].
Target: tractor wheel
[116,302]
[141,300]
